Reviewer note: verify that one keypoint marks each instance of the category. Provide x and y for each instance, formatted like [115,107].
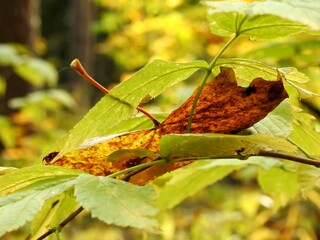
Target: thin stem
[57,234]
[77,66]
[62,224]
[304,160]
[205,78]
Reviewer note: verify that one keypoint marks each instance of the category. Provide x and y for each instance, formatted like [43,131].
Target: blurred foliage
[36,117]
[137,31]
[130,34]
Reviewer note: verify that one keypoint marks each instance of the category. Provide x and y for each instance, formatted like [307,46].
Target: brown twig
[309,161]
[77,66]
[62,224]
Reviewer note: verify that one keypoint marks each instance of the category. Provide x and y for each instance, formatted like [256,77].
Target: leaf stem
[205,78]
[304,160]
[77,66]
[62,224]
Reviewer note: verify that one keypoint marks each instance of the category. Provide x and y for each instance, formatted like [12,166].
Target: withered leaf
[223,107]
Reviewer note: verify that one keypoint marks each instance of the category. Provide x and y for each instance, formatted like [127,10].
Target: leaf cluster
[46,194]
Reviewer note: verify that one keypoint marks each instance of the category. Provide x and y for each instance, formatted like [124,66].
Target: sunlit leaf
[136,123]
[303,92]
[18,208]
[247,69]
[117,202]
[219,145]
[24,177]
[280,183]
[153,79]
[6,170]
[8,55]
[36,71]
[306,138]
[52,213]
[308,179]
[277,123]
[263,20]
[176,186]
[289,49]
[7,133]
[3,85]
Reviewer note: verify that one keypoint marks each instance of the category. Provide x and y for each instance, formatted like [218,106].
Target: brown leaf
[223,107]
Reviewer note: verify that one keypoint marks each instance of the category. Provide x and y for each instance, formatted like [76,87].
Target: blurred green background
[41,98]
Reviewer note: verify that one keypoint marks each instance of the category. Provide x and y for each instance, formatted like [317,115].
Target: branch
[129,172]
[62,224]
[304,160]
[77,66]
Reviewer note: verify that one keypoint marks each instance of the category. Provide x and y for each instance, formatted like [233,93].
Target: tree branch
[62,224]
[138,168]
[304,160]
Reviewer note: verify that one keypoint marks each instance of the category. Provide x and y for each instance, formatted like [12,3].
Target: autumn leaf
[223,107]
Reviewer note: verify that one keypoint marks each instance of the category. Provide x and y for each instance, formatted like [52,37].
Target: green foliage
[46,195]
[36,71]
[279,183]
[20,207]
[176,186]
[221,145]
[263,20]
[120,104]
[117,202]
[170,30]
[35,112]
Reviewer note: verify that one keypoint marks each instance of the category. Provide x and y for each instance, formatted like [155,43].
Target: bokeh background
[41,98]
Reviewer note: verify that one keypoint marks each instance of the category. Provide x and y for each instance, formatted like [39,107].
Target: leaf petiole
[77,66]
[205,79]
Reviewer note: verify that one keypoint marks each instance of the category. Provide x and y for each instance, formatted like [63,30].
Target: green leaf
[221,145]
[176,186]
[153,79]
[18,208]
[7,170]
[308,179]
[117,202]
[120,104]
[293,75]
[277,123]
[246,70]
[306,138]
[8,55]
[263,20]
[290,49]
[53,212]
[36,71]
[7,133]
[281,184]
[136,123]
[303,92]
[24,177]
[3,86]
